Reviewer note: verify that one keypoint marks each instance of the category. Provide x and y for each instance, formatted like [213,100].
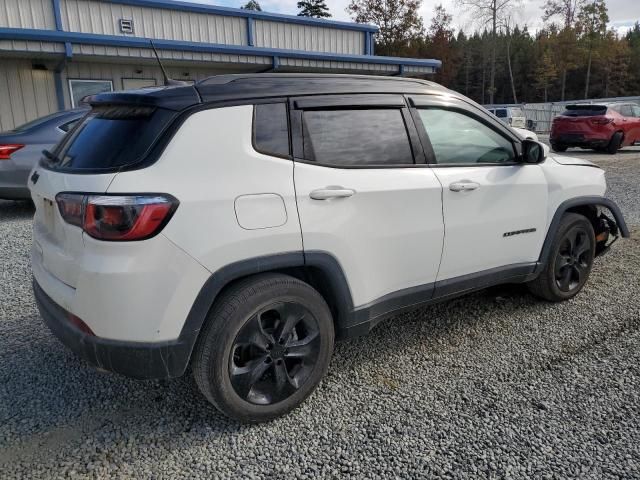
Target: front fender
[579,202]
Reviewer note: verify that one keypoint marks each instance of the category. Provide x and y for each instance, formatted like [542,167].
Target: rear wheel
[614,143]
[559,147]
[266,346]
[570,261]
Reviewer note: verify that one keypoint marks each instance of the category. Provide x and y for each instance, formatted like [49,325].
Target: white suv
[239,225]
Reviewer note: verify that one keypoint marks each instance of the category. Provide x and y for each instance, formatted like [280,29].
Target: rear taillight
[117,217]
[601,120]
[71,208]
[7,150]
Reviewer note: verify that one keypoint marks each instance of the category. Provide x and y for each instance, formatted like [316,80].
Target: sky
[622,13]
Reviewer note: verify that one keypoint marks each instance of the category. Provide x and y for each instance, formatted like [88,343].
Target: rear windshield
[37,122]
[109,138]
[584,110]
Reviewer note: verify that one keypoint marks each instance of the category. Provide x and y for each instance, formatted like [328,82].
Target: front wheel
[266,346]
[570,260]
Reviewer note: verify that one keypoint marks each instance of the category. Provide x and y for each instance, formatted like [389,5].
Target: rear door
[495,209]
[365,194]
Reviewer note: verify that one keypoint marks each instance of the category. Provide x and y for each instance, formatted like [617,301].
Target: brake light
[117,217]
[601,120]
[7,150]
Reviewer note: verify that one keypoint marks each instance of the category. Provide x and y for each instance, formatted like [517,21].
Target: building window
[136,83]
[81,88]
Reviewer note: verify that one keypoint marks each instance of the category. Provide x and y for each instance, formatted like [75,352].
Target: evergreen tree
[252,5]
[313,8]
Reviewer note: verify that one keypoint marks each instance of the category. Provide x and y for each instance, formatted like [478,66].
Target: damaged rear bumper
[133,359]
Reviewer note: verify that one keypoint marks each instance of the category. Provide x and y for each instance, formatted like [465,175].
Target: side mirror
[533,152]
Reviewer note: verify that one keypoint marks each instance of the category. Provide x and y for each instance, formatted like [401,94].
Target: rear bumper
[13,182]
[579,140]
[133,359]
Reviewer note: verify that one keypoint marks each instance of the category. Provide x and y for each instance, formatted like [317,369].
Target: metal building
[54,52]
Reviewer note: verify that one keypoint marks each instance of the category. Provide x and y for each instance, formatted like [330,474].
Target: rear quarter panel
[209,163]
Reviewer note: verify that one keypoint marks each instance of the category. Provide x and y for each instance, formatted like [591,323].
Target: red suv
[601,127]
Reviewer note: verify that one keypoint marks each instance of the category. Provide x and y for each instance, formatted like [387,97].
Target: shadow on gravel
[16,210]
[42,382]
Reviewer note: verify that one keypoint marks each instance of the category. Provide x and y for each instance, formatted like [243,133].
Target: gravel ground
[493,385]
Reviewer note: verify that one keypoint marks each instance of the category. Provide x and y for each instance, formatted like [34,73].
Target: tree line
[573,56]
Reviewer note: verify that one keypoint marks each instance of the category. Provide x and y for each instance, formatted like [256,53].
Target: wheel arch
[319,269]
[586,206]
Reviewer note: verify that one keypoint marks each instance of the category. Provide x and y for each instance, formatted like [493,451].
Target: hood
[562,160]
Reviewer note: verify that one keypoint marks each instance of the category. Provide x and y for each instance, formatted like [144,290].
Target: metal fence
[540,115]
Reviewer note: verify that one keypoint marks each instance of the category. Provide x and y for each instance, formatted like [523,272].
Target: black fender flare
[333,278]
[595,201]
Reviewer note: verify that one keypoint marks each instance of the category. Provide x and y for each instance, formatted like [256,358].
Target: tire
[558,147]
[239,364]
[570,260]
[614,143]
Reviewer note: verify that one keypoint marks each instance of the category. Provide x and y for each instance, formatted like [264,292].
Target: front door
[495,208]
[363,198]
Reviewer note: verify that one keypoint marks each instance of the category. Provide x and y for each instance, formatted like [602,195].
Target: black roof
[265,85]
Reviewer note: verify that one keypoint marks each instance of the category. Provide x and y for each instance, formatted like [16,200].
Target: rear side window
[110,138]
[501,113]
[271,130]
[356,137]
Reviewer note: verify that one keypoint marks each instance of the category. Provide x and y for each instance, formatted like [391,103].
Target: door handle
[463,186]
[331,192]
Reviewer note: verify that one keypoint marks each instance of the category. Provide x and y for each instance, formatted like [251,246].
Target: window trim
[77,120]
[271,101]
[354,102]
[87,80]
[456,106]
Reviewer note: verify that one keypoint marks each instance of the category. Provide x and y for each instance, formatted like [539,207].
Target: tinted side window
[356,137]
[501,113]
[459,138]
[271,131]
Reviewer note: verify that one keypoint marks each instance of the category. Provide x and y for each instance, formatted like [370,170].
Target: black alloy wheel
[570,260]
[265,347]
[274,353]
[573,261]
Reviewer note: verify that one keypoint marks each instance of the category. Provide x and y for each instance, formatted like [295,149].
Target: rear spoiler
[171,98]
